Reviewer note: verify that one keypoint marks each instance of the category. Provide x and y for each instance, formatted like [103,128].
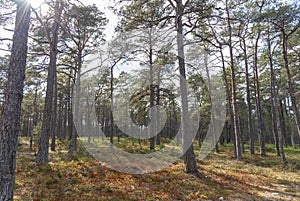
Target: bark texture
[10,124]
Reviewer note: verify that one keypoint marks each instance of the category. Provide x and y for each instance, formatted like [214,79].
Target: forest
[149,100]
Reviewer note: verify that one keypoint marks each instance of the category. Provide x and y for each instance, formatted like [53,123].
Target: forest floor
[79,177]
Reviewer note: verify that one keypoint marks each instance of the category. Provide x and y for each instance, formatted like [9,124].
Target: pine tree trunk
[54,116]
[189,155]
[77,115]
[279,128]
[213,120]
[112,105]
[249,108]
[43,152]
[35,117]
[60,119]
[290,82]
[282,118]
[70,106]
[151,88]
[158,142]
[258,101]
[273,100]
[237,131]
[11,113]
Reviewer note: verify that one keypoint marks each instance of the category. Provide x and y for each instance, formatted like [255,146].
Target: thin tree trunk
[77,114]
[34,118]
[158,137]
[237,132]
[54,116]
[249,108]
[70,106]
[258,101]
[290,82]
[230,125]
[43,152]
[65,119]
[273,99]
[60,119]
[189,155]
[11,112]
[282,119]
[151,88]
[279,128]
[291,125]
[210,100]
[112,105]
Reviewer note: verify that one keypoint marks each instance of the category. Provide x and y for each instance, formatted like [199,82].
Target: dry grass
[80,177]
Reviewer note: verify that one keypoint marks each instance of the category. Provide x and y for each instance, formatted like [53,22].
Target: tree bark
[43,152]
[213,120]
[290,81]
[112,105]
[54,124]
[77,115]
[273,99]
[151,88]
[249,108]
[258,101]
[11,113]
[237,131]
[189,155]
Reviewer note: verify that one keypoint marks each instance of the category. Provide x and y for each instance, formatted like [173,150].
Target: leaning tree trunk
[189,155]
[11,113]
[43,152]
[290,82]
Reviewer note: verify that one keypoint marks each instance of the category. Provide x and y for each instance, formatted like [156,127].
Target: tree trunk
[290,82]
[60,119]
[188,148]
[229,125]
[70,106]
[11,112]
[280,127]
[43,152]
[151,88]
[258,102]
[282,119]
[77,114]
[210,101]
[158,137]
[54,116]
[237,132]
[112,105]
[34,118]
[249,108]
[65,119]
[273,99]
